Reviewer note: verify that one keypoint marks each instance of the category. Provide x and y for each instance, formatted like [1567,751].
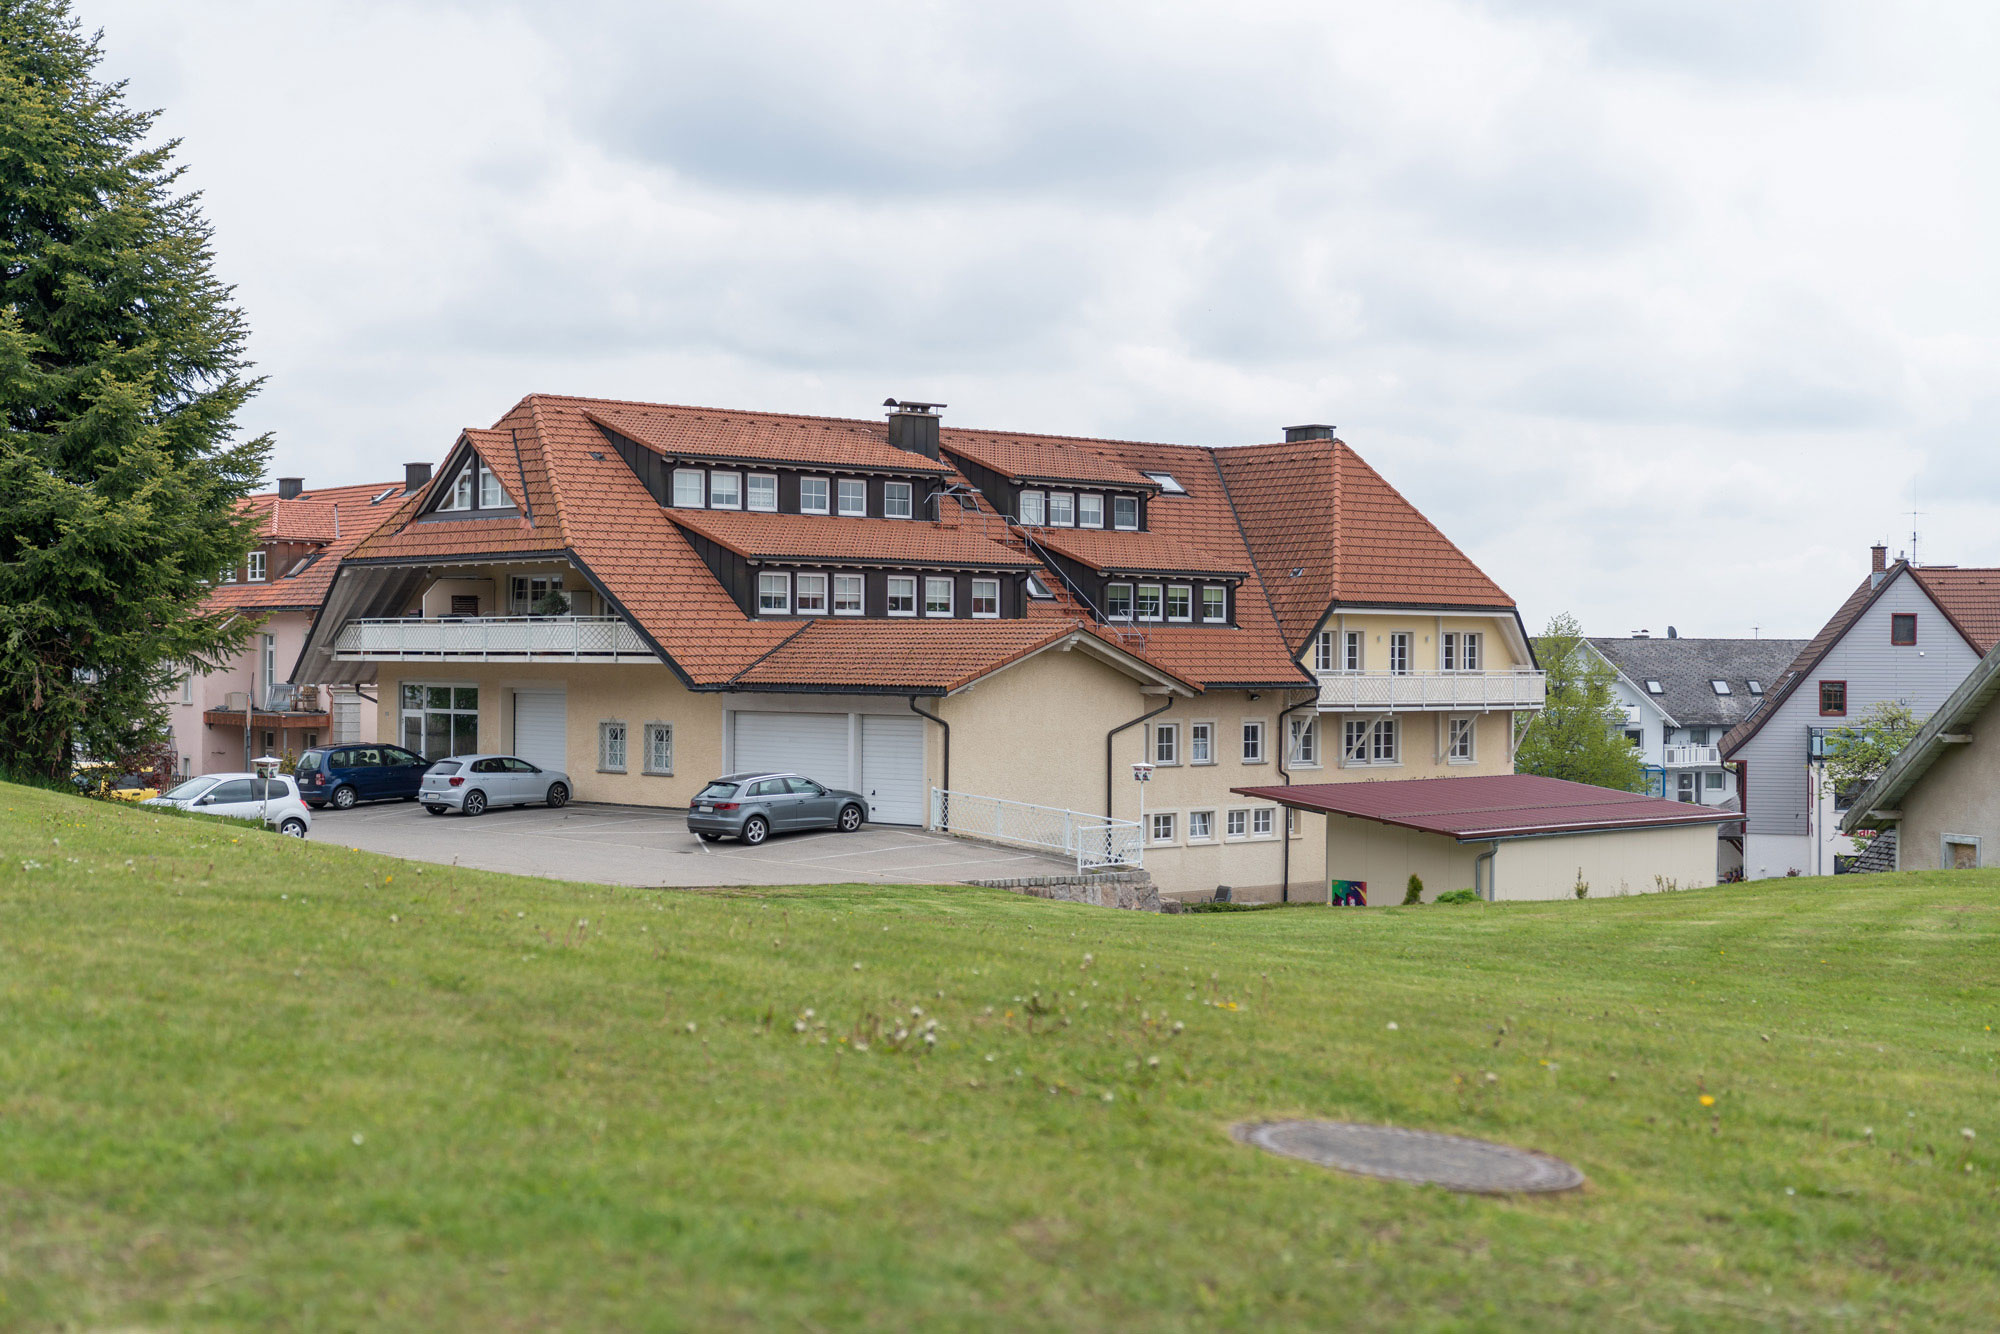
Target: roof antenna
[1914,514]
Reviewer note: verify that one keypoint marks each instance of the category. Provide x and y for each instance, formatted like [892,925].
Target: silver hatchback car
[754,806]
[473,783]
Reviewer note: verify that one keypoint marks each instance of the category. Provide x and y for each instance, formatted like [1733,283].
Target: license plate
[706,810]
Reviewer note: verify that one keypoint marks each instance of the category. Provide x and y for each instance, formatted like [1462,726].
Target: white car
[243,797]
[473,784]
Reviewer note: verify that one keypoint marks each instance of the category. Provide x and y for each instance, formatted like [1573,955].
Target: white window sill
[601,769]
[650,773]
[985,615]
[1256,761]
[847,611]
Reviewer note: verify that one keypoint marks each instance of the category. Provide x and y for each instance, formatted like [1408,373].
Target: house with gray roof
[1680,696]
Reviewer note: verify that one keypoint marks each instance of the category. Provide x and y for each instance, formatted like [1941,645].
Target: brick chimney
[289,487]
[1878,559]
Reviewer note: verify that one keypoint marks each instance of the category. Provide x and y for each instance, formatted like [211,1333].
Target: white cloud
[1663,311]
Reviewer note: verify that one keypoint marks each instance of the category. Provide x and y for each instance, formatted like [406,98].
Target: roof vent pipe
[414,476]
[1310,431]
[1673,633]
[289,487]
[914,426]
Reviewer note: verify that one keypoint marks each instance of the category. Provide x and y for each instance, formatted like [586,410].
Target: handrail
[1093,840]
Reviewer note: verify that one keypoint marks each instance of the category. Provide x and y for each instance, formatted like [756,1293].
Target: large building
[648,596]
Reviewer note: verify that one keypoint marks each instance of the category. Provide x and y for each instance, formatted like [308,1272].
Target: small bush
[1458,896]
[1415,892]
[1582,885]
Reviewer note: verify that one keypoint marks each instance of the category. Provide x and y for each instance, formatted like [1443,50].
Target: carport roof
[1492,806]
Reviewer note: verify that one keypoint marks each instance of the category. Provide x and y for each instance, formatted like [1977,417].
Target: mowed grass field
[252,1082]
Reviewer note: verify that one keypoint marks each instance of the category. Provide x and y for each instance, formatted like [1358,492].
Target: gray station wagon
[752,807]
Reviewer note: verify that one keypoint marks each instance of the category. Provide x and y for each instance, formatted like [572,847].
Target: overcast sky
[1662,309]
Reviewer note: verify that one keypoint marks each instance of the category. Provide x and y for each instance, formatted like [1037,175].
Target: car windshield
[445,767]
[310,760]
[716,792]
[194,787]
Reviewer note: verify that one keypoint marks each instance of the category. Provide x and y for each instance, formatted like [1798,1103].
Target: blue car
[341,776]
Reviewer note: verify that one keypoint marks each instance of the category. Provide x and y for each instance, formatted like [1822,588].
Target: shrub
[1582,885]
[1458,896]
[1415,893]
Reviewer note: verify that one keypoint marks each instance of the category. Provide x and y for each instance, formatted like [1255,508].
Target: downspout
[1284,750]
[947,754]
[1109,736]
[1487,857]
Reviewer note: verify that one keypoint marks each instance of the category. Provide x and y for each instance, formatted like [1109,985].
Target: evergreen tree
[121,371]
[1580,733]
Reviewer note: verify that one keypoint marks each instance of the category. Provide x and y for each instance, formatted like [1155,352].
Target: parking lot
[625,845]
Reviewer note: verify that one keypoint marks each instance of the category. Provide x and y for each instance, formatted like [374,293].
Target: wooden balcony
[1439,692]
[491,639]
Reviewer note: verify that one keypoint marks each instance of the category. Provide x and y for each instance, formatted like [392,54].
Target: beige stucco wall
[1424,629]
[1385,856]
[1640,861]
[1959,794]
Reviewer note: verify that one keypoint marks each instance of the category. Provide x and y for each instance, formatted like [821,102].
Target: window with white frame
[1460,741]
[1062,509]
[690,488]
[1214,603]
[774,593]
[491,494]
[1261,823]
[1399,653]
[187,688]
[1305,741]
[853,496]
[1034,508]
[937,597]
[611,748]
[1323,651]
[1125,512]
[847,593]
[902,595]
[1351,654]
[898,500]
[1163,826]
[1253,741]
[1180,603]
[762,495]
[725,490]
[986,598]
[1118,602]
[1472,651]
[1354,741]
[660,749]
[1384,745]
[1201,743]
[1149,602]
[811,594]
[1089,511]
[475,487]
[524,591]
[812,495]
[1292,821]
[1201,826]
[256,567]
[1166,743]
[1461,651]
[1236,824]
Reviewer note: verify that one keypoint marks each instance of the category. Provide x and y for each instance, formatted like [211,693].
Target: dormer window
[1062,509]
[475,487]
[1166,482]
[898,500]
[1125,512]
[853,497]
[1720,687]
[812,495]
[256,567]
[1654,688]
[1090,511]
[1034,508]
[725,490]
[690,488]
[762,495]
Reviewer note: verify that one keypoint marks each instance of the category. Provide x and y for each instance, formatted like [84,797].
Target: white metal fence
[479,637]
[1095,842]
[1688,757]
[1432,690]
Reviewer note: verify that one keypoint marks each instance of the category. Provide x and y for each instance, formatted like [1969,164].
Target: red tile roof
[335,519]
[911,655]
[772,437]
[1492,806]
[1028,458]
[1316,507]
[1151,552]
[807,537]
[1970,596]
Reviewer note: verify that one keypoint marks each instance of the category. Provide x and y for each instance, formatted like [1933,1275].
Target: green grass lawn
[247,1081]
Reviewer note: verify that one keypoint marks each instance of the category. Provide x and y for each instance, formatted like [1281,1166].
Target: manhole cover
[1413,1155]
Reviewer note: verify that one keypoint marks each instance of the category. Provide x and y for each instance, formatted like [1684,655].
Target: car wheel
[293,828]
[755,830]
[435,810]
[343,798]
[558,796]
[475,803]
[850,819]
[707,837]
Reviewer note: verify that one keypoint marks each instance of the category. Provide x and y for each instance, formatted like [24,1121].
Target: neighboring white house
[1910,634]
[1679,697]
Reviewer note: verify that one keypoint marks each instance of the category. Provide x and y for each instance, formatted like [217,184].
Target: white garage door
[541,733]
[813,744]
[892,768]
[816,745]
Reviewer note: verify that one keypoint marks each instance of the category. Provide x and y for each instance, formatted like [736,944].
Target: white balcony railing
[1096,843]
[485,638]
[1693,757]
[1394,691]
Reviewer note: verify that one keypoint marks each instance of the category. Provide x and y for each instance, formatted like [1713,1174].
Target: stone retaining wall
[1109,889]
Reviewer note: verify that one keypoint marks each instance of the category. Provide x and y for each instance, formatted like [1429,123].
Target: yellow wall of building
[1959,795]
[1424,629]
[1639,861]
[1385,857]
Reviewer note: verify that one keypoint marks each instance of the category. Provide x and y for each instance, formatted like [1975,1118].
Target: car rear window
[716,792]
[445,767]
[310,760]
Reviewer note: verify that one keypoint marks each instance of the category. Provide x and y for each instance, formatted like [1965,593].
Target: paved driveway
[626,845]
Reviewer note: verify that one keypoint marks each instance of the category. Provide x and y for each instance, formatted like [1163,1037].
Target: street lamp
[1142,774]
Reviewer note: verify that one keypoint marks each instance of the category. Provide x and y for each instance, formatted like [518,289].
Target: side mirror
[206,801]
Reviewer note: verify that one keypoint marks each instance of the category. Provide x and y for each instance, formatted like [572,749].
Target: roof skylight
[1756,687]
[1721,687]
[1167,483]
[1654,688]
[1038,589]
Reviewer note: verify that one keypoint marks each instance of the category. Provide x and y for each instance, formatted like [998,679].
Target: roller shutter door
[541,732]
[813,744]
[892,768]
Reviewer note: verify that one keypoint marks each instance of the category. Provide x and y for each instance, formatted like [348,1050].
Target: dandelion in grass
[1708,1100]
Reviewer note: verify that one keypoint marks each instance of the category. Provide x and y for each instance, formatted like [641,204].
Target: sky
[1663,310]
